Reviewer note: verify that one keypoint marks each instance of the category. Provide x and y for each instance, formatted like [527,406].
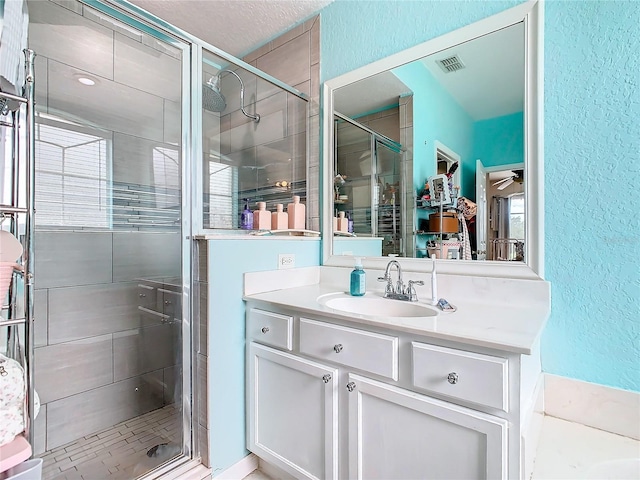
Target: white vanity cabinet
[397,434]
[292,412]
[358,402]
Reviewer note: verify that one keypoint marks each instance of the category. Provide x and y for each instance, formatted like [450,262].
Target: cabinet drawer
[371,352]
[474,377]
[270,328]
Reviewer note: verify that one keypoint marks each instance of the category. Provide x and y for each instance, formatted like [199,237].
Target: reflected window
[73,170]
[516,217]
[166,176]
[222,181]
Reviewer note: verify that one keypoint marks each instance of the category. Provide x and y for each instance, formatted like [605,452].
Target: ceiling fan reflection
[505,182]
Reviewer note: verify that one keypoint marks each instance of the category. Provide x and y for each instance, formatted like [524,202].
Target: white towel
[466,241]
[13,40]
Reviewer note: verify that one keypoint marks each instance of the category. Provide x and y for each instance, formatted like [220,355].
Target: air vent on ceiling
[451,64]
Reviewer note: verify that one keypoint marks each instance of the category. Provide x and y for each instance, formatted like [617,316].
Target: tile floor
[119,452]
[570,451]
[566,451]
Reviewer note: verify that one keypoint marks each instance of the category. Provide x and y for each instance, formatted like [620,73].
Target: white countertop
[514,327]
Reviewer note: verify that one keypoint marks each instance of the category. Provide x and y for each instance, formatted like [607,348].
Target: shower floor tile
[119,452]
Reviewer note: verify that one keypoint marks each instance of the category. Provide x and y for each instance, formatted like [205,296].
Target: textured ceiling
[235,26]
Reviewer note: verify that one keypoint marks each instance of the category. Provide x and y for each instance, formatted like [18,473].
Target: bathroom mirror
[467,103]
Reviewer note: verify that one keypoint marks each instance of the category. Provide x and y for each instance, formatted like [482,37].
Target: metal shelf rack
[22,196]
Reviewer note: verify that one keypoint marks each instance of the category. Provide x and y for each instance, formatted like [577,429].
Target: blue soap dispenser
[358,280]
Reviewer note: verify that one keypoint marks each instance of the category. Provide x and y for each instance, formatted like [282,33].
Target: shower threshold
[122,452]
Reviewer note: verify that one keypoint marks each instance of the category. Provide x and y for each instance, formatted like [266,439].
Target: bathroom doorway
[500,199]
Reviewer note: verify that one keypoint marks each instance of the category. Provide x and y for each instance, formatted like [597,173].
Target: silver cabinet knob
[326,378]
[265,329]
[337,348]
[142,295]
[452,378]
[351,386]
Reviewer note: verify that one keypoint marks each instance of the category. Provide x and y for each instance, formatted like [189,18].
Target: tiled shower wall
[294,58]
[98,359]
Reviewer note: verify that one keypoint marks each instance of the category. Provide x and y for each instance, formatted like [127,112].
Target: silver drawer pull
[351,386]
[337,348]
[452,378]
[142,295]
[265,330]
[326,378]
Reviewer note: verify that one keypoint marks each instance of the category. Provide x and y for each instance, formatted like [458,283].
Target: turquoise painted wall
[437,116]
[229,260]
[499,141]
[592,179]
[592,161]
[358,247]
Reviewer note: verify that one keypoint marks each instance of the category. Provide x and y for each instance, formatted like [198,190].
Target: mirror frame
[531,13]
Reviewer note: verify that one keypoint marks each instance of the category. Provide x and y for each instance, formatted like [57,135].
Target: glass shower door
[354,163]
[109,244]
[390,223]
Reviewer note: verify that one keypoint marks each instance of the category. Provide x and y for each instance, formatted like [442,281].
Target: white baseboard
[274,472]
[531,428]
[240,469]
[606,408]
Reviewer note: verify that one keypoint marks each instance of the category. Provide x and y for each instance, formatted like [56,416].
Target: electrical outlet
[286,260]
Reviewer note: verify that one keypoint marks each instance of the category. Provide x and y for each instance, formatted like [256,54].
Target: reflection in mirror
[368,183]
[431,155]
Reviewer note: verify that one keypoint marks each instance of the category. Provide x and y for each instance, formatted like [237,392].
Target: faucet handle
[388,289]
[411,291]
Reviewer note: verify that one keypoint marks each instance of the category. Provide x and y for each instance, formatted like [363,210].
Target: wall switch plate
[286,260]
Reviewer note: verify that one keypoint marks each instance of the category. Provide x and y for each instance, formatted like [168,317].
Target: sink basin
[375,305]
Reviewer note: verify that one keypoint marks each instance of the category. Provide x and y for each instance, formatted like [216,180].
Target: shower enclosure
[371,165]
[126,173]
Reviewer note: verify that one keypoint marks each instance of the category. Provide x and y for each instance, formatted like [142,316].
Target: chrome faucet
[399,291]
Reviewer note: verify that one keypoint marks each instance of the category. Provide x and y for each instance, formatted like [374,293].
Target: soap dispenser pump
[358,285]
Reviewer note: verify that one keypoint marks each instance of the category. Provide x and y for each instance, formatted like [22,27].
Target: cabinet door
[293,413]
[397,434]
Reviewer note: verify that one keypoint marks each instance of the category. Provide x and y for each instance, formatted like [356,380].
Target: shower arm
[255,117]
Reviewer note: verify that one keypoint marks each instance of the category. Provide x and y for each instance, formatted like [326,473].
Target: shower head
[213,100]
